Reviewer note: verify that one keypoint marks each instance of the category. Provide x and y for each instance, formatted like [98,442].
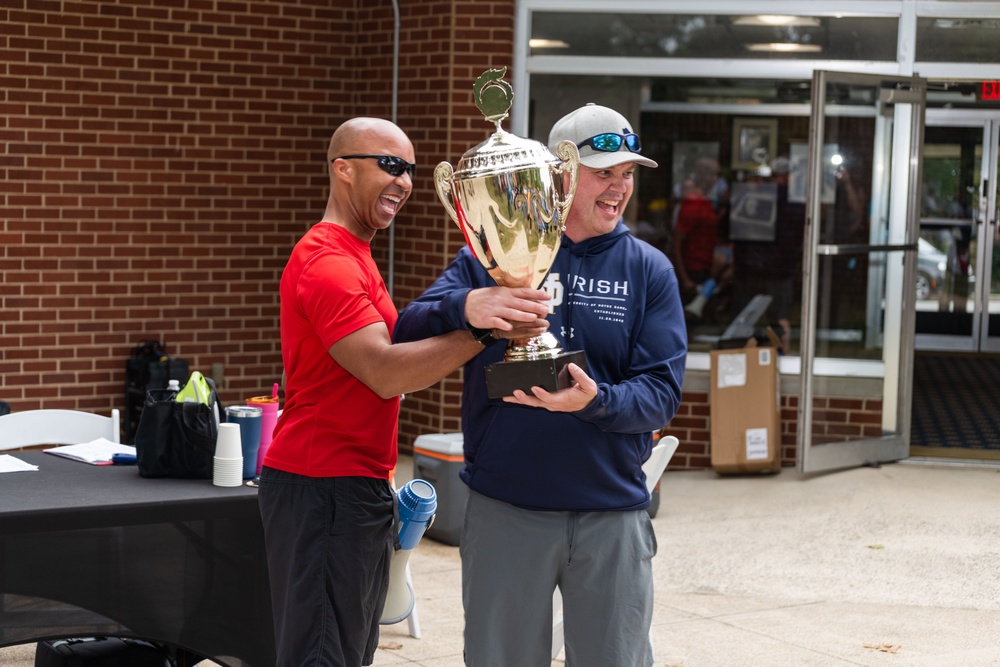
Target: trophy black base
[503,377]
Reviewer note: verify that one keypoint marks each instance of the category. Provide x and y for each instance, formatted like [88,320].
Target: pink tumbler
[269,404]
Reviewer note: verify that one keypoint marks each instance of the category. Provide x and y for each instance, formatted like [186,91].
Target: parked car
[932,264]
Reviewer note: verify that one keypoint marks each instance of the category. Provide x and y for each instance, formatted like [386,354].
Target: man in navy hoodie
[557,496]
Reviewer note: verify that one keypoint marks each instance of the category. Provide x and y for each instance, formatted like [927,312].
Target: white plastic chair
[658,460]
[56,427]
[653,467]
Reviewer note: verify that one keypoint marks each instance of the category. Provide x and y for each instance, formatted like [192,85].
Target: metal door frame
[984,254]
[896,368]
[989,121]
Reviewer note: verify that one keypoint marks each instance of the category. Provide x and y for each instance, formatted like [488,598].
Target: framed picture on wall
[798,158]
[753,212]
[755,141]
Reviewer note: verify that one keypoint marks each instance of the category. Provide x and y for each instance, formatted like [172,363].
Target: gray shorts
[512,561]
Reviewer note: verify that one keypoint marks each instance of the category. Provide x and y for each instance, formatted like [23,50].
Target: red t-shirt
[697,221]
[332,424]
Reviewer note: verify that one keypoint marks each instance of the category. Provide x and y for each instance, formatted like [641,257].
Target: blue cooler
[437,458]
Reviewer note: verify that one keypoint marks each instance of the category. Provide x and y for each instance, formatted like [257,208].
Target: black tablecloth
[175,561]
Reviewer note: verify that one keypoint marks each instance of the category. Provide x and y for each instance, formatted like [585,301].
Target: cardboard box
[744,407]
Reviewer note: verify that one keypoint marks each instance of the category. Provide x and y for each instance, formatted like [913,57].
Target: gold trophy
[510,198]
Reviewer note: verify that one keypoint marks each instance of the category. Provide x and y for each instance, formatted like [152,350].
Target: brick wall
[457,41]
[159,158]
[158,161]
[691,426]
[836,419]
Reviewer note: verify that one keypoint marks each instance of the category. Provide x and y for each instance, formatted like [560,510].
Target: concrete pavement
[892,566]
[897,565]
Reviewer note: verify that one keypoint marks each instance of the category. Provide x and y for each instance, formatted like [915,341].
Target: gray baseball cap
[592,120]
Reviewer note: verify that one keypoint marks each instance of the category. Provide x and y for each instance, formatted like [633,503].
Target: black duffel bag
[177,438]
[100,651]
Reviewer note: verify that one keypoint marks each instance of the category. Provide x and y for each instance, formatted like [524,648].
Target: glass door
[989,287]
[957,291]
[860,250]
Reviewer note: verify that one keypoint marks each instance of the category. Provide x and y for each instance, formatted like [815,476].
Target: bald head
[365,135]
[365,194]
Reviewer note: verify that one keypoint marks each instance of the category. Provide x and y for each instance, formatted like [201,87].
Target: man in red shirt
[325,498]
[696,229]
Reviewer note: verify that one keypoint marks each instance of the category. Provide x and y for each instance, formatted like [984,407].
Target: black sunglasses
[390,164]
[609,142]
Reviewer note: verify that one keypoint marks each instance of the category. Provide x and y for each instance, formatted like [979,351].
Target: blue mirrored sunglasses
[609,142]
[390,164]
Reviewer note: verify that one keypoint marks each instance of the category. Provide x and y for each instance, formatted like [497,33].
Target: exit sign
[990,90]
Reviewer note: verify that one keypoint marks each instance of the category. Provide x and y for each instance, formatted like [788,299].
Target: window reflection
[733,232]
[712,36]
[702,183]
[958,40]
[946,267]
[738,245]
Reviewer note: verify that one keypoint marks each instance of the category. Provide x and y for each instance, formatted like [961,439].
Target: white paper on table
[96,452]
[10,463]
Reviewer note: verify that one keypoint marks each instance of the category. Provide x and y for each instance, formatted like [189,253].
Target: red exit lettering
[990,90]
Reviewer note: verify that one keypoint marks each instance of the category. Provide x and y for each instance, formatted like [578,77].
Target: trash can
[437,458]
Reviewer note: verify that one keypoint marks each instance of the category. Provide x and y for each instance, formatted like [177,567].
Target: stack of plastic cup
[227,466]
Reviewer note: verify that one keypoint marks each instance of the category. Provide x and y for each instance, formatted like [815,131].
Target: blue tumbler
[249,418]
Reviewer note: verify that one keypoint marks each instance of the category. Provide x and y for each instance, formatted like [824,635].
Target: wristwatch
[484,336]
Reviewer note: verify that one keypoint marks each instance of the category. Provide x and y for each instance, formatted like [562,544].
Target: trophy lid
[502,152]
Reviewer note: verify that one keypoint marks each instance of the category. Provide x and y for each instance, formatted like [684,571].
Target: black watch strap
[484,336]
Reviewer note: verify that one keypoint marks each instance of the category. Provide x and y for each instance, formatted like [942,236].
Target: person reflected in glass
[701,252]
[770,263]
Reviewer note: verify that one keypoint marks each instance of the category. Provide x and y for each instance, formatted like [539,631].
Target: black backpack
[148,367]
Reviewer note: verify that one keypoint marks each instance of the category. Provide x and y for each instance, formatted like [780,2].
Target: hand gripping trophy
[509,197]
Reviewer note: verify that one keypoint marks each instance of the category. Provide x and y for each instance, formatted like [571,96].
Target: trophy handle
[570,156]
[442,185]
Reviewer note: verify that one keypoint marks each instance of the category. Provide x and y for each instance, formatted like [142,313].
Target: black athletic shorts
[329,544]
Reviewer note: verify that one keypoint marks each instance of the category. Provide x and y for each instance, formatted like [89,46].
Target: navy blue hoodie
[615,297]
